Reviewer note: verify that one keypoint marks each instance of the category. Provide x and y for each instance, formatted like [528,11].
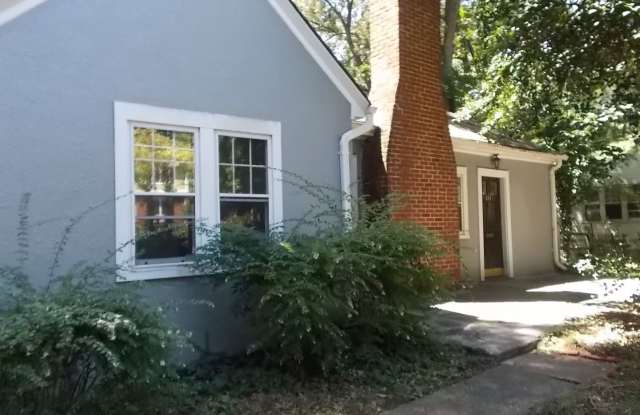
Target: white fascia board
[506,153]
[319,52]
[17,10]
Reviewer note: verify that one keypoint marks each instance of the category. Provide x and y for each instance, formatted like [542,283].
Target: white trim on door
[505,197]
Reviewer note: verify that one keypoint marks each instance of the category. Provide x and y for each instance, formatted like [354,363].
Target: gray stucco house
[163,112]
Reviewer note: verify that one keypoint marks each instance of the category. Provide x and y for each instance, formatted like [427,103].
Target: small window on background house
[244,187]
[613,204]
[633,201]
[592,208]
[164,192]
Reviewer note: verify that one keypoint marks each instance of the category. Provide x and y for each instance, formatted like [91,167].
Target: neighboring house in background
[160,113]
[614,208]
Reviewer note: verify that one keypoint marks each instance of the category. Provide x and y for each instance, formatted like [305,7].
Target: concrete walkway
[506,318]
[512,388]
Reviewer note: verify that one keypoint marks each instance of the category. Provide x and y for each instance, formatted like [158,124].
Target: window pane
[243,180]
[225,149]
[165,206]
[142,135]
[241,151]
[613,210]
[592,213]
[160,153]
[251,213]
[163,177]
[184,155]
[185,182]
[164,238]
[259,180]
[226,179]
[258,152]
[634,210]
[144,152]
[184,140]
[143,176]
[162,138]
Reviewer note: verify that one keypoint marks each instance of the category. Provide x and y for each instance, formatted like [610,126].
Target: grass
[612,336]
[369,385]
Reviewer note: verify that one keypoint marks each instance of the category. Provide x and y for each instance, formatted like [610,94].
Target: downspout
[345,163]
[554,216]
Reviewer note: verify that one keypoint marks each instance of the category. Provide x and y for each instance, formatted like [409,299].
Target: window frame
[602,203]
[461,174]
[207,127]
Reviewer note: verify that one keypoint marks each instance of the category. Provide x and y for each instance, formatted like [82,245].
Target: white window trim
[464,198]
[505,195]
[208,126]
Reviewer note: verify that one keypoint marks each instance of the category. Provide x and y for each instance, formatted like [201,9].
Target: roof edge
[319,51]
[461,145]
[18,10]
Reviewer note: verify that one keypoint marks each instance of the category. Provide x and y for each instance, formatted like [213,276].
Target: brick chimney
[415,145]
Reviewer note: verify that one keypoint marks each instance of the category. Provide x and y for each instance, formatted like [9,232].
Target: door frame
[505,205]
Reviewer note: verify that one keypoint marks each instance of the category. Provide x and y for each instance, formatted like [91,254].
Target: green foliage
[316,295]
[80,346]
[564,75]
[612,264]
[344,27]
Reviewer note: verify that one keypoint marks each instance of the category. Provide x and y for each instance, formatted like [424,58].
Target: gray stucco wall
[530,217]
[63,65]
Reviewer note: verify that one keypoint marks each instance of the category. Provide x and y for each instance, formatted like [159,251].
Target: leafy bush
[315,294]
[80,346]
[612,264]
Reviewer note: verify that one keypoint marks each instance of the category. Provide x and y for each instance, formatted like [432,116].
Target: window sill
[155,272]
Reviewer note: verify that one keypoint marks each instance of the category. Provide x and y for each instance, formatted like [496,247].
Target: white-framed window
[616,203]
[463,202]
[613,205]
[177,169]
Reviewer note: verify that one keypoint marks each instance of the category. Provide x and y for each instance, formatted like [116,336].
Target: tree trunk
[451,10]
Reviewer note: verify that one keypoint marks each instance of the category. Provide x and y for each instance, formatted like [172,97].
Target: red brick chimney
[407,89]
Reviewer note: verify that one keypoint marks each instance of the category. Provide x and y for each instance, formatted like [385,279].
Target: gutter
[345,160]
[554,215]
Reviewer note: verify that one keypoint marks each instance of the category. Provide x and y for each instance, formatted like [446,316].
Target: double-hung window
[176,170]
[244,188]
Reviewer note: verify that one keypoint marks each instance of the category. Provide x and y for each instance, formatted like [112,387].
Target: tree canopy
[344,26]
[561,73]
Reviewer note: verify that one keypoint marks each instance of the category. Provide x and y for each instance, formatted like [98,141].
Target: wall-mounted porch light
[495,161]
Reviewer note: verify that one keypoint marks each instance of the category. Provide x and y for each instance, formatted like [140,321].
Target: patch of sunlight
[604,290]
[536,313]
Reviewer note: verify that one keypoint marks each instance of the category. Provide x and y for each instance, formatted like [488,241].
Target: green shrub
[316,294]
[610,265]
[80,346]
